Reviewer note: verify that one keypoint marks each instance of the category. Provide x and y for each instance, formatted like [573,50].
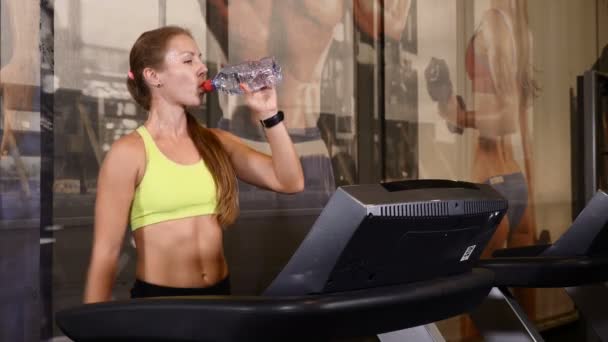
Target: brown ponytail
[211,150]
[149,51]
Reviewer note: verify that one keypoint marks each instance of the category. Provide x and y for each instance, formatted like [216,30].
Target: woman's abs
[181,253]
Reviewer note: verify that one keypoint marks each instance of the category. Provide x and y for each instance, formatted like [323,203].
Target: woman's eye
[188,62]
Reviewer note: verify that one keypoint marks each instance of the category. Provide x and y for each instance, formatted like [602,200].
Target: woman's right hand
[454,114]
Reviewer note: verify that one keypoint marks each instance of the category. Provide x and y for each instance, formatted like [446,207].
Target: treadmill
[577,261]
[381,259]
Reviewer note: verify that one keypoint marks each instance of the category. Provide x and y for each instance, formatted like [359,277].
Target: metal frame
[501,318]
[587,299]
[591,122]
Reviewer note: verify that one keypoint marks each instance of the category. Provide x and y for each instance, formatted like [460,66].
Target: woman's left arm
[281,172]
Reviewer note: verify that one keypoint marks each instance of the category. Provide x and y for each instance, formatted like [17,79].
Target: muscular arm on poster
[309,28]
[24,65]
[249,28]
[326,13]
[20,76]
[305,37]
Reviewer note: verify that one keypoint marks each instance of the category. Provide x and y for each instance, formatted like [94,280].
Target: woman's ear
[151,77]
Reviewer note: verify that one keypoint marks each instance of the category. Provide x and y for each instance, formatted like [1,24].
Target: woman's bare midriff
[185,252]
[494,157]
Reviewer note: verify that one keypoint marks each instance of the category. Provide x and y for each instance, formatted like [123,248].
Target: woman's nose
[202,70]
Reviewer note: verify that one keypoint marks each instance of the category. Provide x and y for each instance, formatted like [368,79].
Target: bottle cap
[207,86]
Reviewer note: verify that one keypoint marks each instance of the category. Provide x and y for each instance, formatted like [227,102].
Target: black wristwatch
[273,120]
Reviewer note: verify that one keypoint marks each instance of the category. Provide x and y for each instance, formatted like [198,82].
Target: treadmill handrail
[582,236]
[226,318]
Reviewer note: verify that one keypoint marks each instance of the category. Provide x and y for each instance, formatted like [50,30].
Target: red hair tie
[130,75]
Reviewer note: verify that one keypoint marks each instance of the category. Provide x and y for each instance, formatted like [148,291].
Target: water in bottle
[265,72]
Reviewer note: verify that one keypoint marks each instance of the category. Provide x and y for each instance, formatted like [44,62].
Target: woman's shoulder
[496,21]
[223,136]
[128,150]
[131,142]
[495,30]
[228,140]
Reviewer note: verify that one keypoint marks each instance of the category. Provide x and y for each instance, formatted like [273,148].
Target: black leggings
[141,289]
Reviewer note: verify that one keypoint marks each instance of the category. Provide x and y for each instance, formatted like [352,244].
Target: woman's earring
[158,85]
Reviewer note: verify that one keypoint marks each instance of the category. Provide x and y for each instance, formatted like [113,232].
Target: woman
[499,65]
[175,181]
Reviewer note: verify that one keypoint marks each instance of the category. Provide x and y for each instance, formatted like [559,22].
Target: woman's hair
[148,52]
[525,86]
[528,88]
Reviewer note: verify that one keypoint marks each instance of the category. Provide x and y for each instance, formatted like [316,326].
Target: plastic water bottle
[256,74]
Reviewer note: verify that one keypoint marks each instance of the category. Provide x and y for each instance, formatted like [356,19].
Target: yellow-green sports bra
[170,191]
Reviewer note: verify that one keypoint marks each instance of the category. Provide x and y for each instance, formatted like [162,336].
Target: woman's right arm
[115,188]
[456,113]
